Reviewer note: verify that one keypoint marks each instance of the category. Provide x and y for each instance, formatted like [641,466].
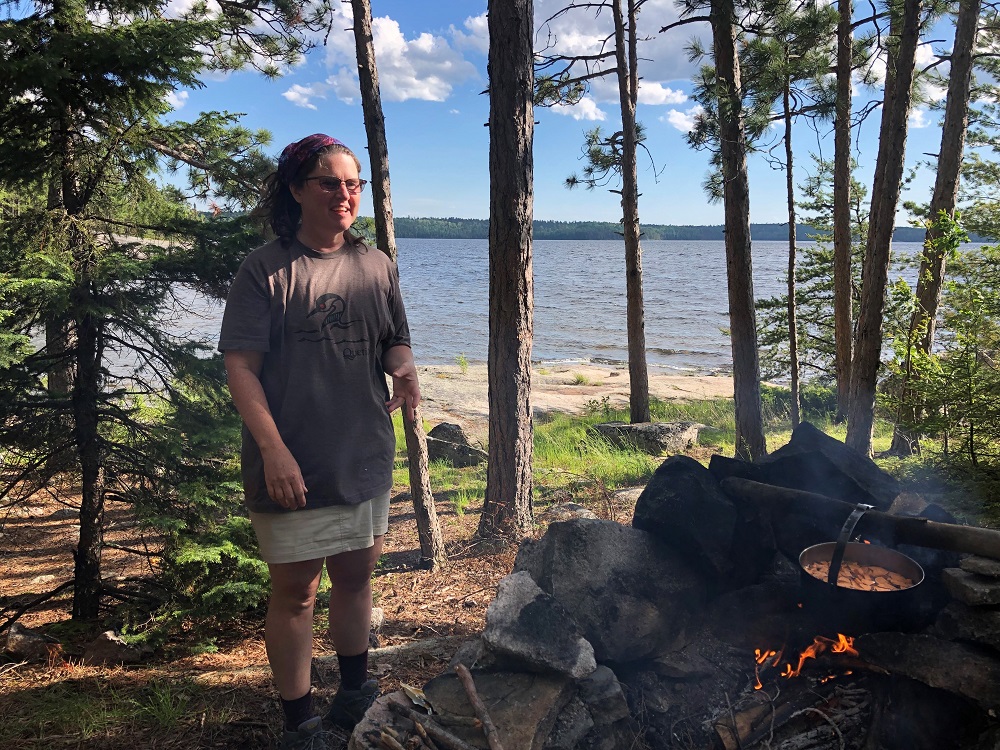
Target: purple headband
[294,155]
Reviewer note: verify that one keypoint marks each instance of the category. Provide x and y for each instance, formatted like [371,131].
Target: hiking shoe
[349,706]
[309,736]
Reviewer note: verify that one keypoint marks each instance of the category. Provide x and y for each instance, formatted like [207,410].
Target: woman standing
[313,323]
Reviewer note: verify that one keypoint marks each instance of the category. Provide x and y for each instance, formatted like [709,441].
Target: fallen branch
[389,743]
[33,603]
[489,729]
[442,737]
[454,720]
[427,741]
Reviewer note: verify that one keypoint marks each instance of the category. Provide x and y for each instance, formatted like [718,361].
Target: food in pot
[860,577]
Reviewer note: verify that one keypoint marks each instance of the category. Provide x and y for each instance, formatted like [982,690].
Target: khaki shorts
[315,534]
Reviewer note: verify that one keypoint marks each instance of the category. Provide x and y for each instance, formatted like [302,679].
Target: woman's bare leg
[351,597]
[288,630]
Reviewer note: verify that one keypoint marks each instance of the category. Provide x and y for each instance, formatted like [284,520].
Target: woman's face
[327,214]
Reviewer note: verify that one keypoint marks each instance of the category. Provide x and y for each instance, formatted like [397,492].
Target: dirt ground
[427,614]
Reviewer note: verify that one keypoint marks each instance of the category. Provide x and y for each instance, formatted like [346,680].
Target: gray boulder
[528,625]
[448,442]
[109,648]
[655,438]
[631,596]
[683,505]
[30,645]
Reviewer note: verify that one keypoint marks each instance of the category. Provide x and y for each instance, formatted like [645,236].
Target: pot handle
[846,531]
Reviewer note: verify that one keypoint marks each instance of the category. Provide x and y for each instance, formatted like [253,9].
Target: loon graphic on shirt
[333,308]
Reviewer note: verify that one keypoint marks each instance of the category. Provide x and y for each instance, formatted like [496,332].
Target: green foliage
[786,52]
[959,383]
[463,364]
[813,285]
[602,156]
[96,256]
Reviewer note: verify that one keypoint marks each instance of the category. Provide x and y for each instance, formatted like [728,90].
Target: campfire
[797,603]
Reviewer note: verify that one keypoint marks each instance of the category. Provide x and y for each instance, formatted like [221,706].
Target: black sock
[297,711]
[353,670]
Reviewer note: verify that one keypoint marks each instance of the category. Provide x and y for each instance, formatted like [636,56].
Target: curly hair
[277,208]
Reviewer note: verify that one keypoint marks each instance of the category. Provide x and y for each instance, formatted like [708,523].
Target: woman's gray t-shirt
[323,321]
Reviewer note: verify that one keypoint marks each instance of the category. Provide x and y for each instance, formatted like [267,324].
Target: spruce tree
[92,383]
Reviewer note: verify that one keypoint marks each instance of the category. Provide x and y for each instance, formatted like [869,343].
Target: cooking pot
[851,611]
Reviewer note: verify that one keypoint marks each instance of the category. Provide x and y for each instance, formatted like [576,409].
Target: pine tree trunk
[628,85]
[793,335]
[885,197]
[378,149]
[86,396]
[842,240]
[750,442]
[507,511]
[932,263]
[432,550]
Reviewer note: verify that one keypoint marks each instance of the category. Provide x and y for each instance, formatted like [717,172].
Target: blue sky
[432,67]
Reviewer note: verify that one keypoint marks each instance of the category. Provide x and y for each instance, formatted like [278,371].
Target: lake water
[579,300]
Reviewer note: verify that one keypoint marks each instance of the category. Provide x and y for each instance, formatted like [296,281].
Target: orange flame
[843,645]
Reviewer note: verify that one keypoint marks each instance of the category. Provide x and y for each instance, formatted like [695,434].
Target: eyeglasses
[332,184]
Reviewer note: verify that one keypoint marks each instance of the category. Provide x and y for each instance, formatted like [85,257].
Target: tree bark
[842,234]
[432,549]
[750,442]
[628,89]
[507,511]
[85,399]
[793,335]
[945,196]
[885,197]
[371,106]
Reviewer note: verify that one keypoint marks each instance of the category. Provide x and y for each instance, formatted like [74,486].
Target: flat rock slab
[971,588]
[655,438]
[524,707]
[967,671]
[984,566]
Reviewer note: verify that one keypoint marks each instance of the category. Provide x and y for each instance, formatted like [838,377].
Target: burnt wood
[876,524]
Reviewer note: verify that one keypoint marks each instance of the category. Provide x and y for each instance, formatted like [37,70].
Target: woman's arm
[399,365]
[281,471]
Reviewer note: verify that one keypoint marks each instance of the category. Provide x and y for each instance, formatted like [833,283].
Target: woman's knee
[351,572]
[293,587]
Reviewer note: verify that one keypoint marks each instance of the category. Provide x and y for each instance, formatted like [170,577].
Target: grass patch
[568,455]
[94,710]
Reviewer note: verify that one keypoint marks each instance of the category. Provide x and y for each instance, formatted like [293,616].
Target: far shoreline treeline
[478,229]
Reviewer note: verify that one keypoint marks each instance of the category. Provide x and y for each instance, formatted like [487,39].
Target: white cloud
[683,121]
[425,67]
[585,109]
[918,118]
[477,38]
[663,57]
[302,96]
[177,99]
[180,8]
[656,93]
